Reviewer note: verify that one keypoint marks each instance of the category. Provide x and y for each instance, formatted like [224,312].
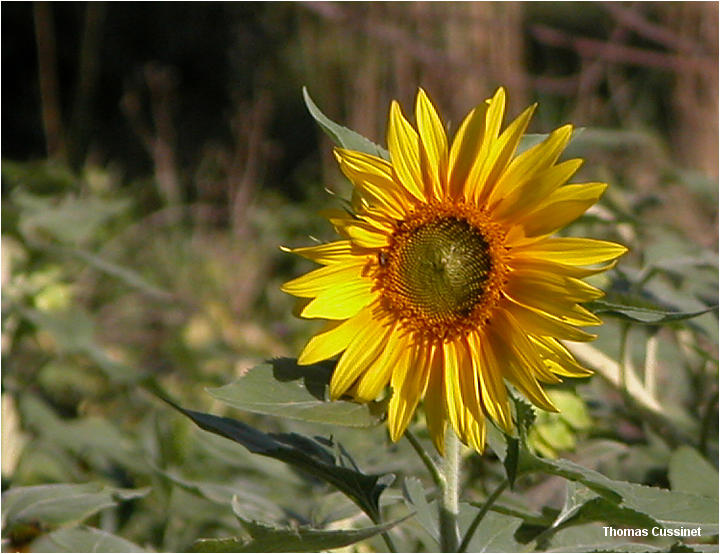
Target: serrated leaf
[83,539]
[283,388]
[299,451]
[342,136]
[643,315]
[60,504]
[415,498]
[690,472]
[591,538]
[584,506]
[269,538]
[668,508]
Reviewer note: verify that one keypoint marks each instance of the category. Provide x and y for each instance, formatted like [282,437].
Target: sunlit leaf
[283,388]
[342,136]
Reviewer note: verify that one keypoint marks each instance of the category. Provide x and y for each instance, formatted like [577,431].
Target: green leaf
[258,505]
[342,136]
[643,315]
[690,472]
[83,539]
[495,533]
[583,506]
[283,388]
[591,538]
[668,508]
[415,498]
[308,454]
[269,538]
[60,504]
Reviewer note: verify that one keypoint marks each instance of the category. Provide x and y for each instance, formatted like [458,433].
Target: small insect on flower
[447,283]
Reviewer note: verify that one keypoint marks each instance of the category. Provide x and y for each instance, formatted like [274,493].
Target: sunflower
[447,283]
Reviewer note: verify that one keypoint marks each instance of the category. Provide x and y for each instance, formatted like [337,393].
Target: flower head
[447,282]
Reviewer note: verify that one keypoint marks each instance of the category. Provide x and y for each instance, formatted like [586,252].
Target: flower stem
[449,504]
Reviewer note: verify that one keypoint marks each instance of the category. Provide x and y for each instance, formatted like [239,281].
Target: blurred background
[155,155]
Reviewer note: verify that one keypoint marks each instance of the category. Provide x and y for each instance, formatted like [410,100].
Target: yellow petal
[528,283]
[544,325]
[482,180]
[334,338]
[530,194]
[340,251]
[373,178]
[558,359]
[473,431]
[531,162]
[490,377]
[473,142]
[409,381]
[365,234]
[562,207]
[511,348]
[573,251]
[404,147]
[535,264]
[464,150]
[434,404]
[557,306]
[453,394]
[435,146]
[360,353]
[341,301]
[377,376]
[319,280]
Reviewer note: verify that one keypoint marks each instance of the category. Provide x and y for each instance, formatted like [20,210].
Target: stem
[481,514]
[426,459]
[449,505]
[388,541]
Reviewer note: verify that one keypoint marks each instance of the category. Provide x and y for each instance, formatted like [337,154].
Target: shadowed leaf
[302,452]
